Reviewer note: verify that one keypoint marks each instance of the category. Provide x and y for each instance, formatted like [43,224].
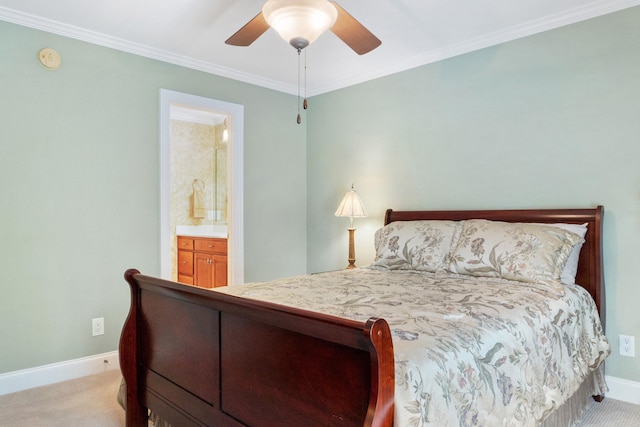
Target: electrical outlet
[97,326]
[627,345]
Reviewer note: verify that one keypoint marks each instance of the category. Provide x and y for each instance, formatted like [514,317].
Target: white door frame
[235,221]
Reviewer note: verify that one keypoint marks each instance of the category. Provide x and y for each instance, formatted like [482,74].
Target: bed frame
[202,358]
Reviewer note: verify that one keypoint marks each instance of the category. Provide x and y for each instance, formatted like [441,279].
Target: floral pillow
[415,245]
[524,252]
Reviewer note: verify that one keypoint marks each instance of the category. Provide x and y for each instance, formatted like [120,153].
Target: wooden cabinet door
[220,270]
[185,263]
[203,271]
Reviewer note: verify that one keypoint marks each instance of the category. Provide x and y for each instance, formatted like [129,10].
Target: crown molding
[100,39]
[589,11]
[530,28]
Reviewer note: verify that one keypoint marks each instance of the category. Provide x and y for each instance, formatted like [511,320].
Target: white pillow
[568,275]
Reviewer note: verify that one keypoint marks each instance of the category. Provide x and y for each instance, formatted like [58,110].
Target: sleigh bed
[437,331]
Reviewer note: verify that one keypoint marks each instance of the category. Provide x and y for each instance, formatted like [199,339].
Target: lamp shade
[300,22]
[351,205]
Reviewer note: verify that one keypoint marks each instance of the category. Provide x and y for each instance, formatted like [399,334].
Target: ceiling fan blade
[250,32]
[353,33]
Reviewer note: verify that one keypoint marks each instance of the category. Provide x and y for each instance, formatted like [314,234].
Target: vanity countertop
[216,231]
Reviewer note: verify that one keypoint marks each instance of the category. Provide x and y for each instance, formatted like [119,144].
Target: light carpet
[91,402]
[84,402]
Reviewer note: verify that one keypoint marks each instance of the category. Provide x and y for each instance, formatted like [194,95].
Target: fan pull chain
[304,104]
[298,119]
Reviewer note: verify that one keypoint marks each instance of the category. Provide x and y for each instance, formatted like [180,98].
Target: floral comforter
[468,351]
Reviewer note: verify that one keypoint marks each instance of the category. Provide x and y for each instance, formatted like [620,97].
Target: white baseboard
[624,390]
[11,382]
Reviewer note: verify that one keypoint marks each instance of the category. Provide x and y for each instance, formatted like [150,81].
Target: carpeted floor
[91,402]
[83,402]
[611,413]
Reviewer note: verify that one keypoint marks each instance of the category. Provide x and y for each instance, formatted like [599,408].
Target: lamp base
[352,251]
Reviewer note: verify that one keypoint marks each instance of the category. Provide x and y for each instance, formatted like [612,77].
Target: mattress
[469,351]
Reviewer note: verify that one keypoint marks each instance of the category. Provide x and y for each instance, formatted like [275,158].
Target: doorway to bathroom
[210,183]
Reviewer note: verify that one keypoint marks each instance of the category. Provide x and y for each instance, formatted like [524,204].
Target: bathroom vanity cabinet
[202,261]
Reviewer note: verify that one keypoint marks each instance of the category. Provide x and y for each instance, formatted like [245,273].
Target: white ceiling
[192,33]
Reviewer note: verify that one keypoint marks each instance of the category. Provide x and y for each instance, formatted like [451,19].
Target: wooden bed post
[598,267]
[383,367]
[136,413]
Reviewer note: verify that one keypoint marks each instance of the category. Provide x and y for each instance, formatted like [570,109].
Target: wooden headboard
[590,270]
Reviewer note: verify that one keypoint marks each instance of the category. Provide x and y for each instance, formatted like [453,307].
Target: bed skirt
[571,411]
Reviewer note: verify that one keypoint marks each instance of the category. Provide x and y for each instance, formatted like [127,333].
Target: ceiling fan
[301,22]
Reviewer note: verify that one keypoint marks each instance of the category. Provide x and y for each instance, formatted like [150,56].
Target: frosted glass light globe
[300,22]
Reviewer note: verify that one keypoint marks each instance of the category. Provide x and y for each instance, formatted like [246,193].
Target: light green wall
[552,120]
[546,121]
[79,188]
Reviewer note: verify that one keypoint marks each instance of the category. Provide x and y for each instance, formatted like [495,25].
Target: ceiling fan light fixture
[300,22]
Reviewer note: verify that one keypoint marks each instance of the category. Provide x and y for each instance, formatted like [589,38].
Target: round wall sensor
[49,58]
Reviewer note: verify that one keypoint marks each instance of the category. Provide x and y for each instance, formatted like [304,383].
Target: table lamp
[351,206]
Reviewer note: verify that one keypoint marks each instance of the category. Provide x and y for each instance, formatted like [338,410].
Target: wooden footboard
[202,358]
